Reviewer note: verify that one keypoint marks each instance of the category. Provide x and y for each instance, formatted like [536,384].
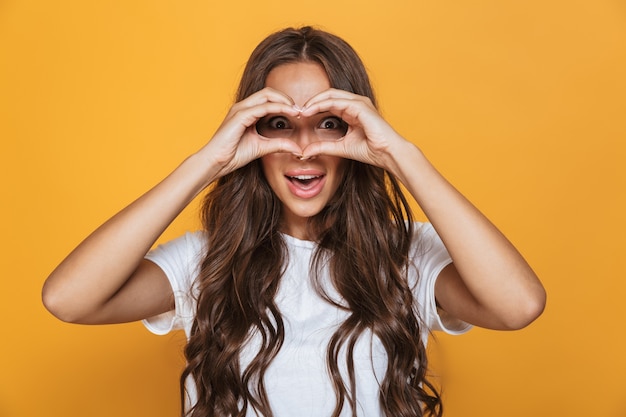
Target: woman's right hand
[105,279]
[236,142]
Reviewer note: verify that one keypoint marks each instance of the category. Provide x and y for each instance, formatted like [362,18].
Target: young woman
[310,289]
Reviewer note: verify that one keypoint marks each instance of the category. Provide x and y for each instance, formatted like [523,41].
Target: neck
[298,227]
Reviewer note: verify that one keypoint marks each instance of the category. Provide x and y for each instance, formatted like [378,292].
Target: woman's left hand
[370,139]
[489,284]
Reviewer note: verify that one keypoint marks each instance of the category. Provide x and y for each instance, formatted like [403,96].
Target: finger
[339,98]
[264,96]
[325,148]
[250,115]
[350,107]
[268,146]
[333,93]
[355,113]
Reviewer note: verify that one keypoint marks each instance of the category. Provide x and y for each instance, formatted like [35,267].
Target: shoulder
[181,258]
[429,257]
[426,243]
[190,245]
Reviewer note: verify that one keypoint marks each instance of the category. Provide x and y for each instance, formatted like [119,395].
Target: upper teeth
[305,177]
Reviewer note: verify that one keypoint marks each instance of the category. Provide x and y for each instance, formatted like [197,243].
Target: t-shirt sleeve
[180,261]
[429,258]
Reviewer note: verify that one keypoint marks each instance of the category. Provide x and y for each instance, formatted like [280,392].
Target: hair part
[240,274]
[340,61]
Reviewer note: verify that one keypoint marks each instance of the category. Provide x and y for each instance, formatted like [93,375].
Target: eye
[331,128]
[273,127]
[332,123]
[278,122]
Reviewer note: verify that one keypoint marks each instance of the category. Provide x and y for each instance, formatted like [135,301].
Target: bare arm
[105,279]
[489,283]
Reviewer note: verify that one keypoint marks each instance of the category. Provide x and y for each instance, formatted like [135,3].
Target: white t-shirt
[297,381]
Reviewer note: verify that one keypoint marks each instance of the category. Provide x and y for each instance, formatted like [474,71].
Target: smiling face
[303,187]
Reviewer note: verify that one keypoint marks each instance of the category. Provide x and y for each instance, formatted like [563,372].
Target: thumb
[281,146]
[332,148]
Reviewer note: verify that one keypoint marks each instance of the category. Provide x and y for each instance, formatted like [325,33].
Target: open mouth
[305,183]
[304,180]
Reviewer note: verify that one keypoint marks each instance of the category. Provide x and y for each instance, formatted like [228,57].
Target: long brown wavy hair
[363,236]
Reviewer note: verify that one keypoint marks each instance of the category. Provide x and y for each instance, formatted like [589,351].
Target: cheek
[268,162]
[341,166]
[339,174]
[270,166]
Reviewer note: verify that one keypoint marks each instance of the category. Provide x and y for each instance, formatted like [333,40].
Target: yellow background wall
[520,104]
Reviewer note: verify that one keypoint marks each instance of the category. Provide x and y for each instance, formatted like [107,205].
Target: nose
[303,136]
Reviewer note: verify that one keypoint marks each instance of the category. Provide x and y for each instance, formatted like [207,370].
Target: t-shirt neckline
[294,241]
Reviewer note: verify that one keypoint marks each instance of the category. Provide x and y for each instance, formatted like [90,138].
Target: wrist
[201,170]
[402,159]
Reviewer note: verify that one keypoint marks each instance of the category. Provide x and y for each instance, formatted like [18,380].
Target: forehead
[299,80]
